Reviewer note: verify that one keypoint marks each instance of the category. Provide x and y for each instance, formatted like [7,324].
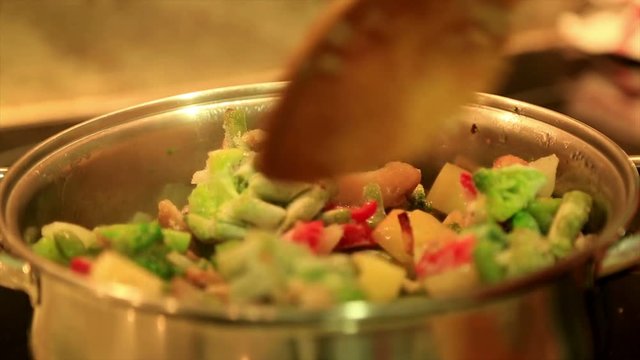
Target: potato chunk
[396,180]
[447,193]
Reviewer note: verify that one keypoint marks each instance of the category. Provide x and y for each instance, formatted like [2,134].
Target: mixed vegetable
[378,235]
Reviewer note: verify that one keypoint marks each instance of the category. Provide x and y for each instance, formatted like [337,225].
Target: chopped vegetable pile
[378,235]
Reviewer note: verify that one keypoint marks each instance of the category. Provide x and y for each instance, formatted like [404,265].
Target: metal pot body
[544,323]
[104,170]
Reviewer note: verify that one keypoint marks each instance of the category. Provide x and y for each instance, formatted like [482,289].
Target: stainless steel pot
[105,169]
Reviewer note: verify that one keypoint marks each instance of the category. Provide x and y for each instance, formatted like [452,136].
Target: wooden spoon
[376,80]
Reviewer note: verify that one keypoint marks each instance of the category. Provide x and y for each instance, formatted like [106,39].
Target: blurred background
[70,58]
[65,61]
[62,59]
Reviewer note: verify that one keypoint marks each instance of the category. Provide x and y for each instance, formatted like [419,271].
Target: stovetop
[601,91]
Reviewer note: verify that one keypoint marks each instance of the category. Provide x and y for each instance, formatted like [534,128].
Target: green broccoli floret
[336,274]
[176,240]
[70,239]
[528,252]
[206,198]
[155,260]
[485,255]
[490,241]
[234,125]
[524,220]
[212,230]
[130,238]
[305,207]
[267,267]
[231,197]
[489,231]
[508,189]
[543,210]
[247,208]
[224,161]
[418,200]
[47,248]
[219,185]
[256,267]
[571,216]
[279,192]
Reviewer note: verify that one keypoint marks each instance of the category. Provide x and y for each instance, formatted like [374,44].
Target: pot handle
[15,273]
[626,252]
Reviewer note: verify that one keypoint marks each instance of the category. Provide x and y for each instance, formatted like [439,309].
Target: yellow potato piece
[379,279]
[446,193]
[330,239]
[111,267]
[389,236]
[428,232]
[548,166]
[452,282]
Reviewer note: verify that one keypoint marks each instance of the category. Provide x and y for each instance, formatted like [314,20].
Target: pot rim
[403,308]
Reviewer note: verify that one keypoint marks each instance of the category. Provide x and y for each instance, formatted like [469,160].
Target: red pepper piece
[463,250]
[308,233]
[80,265]
[364,212]
[355,235]
[451,255]
[466,180]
